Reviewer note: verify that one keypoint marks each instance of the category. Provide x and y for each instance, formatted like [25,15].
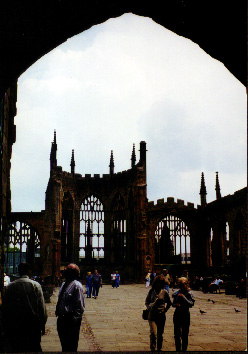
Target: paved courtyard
[113,322]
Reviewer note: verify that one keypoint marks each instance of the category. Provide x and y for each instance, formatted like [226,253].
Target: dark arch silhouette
[30,29]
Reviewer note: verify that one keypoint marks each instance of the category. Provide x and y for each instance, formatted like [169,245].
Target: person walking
[158,303]
[113,279]
[117,280]
[183,300]
[97,282]
[24,313]
[70,308]
[167,279]
[89,281]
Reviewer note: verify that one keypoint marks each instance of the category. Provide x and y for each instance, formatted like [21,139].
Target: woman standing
[148,279]
[183,299]
[157,302]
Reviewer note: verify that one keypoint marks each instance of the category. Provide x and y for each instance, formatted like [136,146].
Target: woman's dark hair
[158,282]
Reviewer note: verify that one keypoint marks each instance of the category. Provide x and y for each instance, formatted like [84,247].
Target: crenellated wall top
[170,202]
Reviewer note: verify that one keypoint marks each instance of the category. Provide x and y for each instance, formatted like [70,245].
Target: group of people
[152,274]
[115,279]
[24,312]
[93,284]
[158,303]
[25,315]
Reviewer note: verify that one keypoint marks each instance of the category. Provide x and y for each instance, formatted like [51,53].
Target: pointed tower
[133,157]
[203,191]
[53,153]
[217,187]
[111,164]
[72,163]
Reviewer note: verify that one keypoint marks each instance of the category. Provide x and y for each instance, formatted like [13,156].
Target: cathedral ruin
[106,222]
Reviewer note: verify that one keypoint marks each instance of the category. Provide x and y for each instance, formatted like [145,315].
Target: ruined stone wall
[187,213]
[232,211]
[8,136]
[130,185]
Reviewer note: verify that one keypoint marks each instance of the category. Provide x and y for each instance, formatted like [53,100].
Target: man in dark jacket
[24,313]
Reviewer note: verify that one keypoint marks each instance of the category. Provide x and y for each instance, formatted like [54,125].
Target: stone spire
[53,153]
[133,157]
[72,163]
[203,191]
[217,187]
[111,164]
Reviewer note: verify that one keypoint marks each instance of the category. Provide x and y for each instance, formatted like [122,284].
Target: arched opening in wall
[121,82]
[91,242]
[240,236]
[227,243]
[21,244]
[119,227]
[67,229]
[172,244]
[211,247]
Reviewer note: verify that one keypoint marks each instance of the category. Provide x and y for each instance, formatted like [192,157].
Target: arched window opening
[211,248]
[227,241]
[240,235]
[67,228]
[119,229]
[21,244]
[91,245]
[172,241]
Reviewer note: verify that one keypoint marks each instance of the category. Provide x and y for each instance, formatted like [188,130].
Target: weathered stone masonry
[131,248]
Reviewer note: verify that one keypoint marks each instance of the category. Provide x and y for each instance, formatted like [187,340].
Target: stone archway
[30,30]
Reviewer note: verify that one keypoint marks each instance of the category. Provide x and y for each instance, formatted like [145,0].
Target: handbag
[145,314]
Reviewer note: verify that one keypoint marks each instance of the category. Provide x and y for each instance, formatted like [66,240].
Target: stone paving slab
[113,323]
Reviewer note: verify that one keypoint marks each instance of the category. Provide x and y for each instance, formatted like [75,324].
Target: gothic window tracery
[227,241]
[22,244]
[211,247]
[172,241]
[67,228]
[91,229]
[119,229]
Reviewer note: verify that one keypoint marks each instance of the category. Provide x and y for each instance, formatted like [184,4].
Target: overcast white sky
[121,82]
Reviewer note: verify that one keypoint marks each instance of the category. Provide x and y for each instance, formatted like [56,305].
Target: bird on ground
[213,301]
[209,299]
[236,310]
[202,311]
